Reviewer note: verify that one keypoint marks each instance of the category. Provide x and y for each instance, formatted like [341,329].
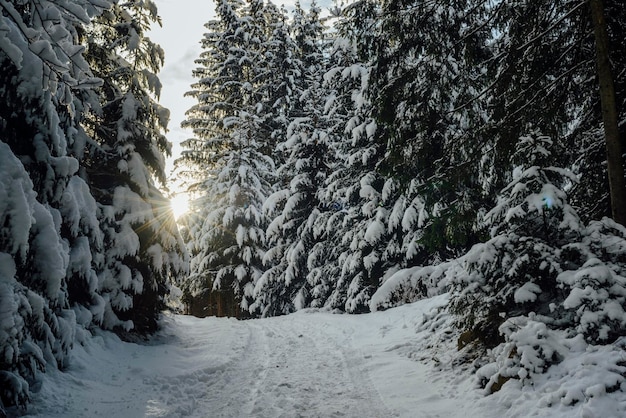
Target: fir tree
[426,75]
[142,250]
[45,204]
[544,77]
[230,149]
[515,272]
[542,278]
[361,256]
[302,150]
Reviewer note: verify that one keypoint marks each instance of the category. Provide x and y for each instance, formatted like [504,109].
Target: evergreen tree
[608,103]
[230,149]
[277,83]
[45,204]
[425,80]
[366,251]
[515,272]
[72,148]
[545,77]
[531,86]
[142,250]
[302,151]
[542,278]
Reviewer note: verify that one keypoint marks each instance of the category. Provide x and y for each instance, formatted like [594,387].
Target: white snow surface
[308,364]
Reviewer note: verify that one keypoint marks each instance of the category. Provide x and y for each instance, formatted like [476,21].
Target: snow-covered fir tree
[142,250]
[543,73]
[73,147]
[302,152]
[277,77]
[230,150]
[45,209]
[515,271]
[425,81]
[544,281]
[588,150]
[354,187]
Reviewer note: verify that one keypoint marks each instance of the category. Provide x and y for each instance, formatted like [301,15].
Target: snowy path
[284,369]
[287,370]
[302,365]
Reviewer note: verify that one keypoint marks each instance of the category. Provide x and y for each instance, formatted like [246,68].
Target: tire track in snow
[308,374]
[196,383]
[285,369]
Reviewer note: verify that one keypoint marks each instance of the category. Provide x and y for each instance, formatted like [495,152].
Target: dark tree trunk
[617,184]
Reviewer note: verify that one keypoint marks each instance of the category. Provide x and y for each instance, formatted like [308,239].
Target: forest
[353,160]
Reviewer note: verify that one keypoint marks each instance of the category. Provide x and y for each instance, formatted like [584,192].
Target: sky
[180,35]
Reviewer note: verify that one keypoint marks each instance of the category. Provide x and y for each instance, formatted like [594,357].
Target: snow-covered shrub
[596,289]
[530,347]
[584,318]
[14,360]
[579,373]
[544,289]
[515,272]
[409,285]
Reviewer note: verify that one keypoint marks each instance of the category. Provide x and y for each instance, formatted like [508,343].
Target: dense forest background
[332,154]
[391,151]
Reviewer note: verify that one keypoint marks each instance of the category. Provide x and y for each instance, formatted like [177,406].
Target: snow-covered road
[274,368]
[309,364]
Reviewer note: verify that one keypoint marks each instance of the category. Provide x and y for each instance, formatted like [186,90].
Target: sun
[180,204]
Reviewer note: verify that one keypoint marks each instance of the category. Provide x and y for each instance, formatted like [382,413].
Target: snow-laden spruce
[544,284]
[61,130]
[232,168]
[43,226]
[302,151]
[141,251]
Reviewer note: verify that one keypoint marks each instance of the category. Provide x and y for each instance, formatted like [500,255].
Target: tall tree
[346,262]
[142,250]
[425,77]
[302,151]
[608,101]
[231,151]
[545,77]
[45,204]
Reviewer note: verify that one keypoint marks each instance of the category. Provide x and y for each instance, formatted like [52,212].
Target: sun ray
[180,204]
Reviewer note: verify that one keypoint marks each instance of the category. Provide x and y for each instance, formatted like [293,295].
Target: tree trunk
[617,184]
